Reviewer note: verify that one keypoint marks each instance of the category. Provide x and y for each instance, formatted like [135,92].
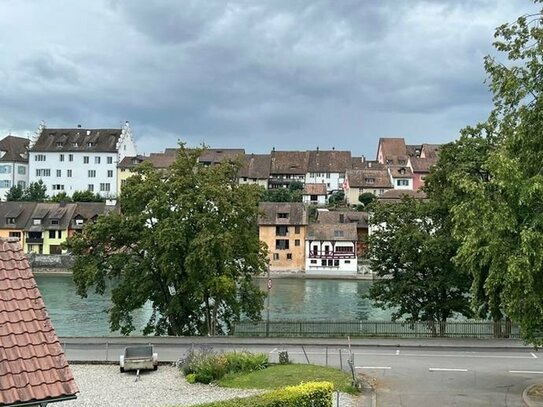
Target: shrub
[207,366]
[191,378]
[311,394]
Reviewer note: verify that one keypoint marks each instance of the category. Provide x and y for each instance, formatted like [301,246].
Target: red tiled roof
[32,364]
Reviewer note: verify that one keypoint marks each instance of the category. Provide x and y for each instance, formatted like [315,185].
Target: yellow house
[48,227]
[283,227]
[373,180]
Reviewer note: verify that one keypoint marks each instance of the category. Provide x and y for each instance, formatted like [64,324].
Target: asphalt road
[407,373]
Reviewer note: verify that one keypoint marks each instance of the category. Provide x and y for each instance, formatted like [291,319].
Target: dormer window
[338,233]
[55,221]
[79,222]
[369,180]
[75,144]
[402,171]
[90,144]
[11,221]
[282,215]
[59,143]
[401,162]
[36,221]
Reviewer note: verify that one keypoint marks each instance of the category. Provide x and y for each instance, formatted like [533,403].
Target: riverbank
[272,275]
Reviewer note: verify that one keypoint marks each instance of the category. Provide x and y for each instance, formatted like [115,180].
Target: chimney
[78,126]
[363,158]
[317,149]
[369,164]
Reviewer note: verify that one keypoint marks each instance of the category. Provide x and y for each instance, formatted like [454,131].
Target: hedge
[310,394]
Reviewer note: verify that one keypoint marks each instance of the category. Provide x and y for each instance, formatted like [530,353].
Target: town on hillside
[301,236]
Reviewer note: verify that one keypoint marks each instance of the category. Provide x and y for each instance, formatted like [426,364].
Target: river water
[290,298]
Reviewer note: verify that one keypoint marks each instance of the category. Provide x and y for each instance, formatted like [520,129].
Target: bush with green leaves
[310,394]
[206,366]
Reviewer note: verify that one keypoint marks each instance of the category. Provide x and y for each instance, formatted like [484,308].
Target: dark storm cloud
[285,73]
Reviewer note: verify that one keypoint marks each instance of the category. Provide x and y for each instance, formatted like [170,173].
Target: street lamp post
[269,285]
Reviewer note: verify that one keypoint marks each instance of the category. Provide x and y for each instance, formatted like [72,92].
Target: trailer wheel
[121,369]
[155,367]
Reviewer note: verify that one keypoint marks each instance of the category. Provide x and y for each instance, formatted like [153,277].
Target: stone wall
[50,261]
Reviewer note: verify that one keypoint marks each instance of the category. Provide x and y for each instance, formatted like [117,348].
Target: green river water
[290,298]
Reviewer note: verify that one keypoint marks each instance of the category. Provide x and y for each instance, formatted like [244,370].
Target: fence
[463,329]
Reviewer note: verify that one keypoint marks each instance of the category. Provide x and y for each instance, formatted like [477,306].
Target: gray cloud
[290,74]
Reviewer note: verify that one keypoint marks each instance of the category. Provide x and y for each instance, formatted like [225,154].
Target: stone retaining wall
[50,261]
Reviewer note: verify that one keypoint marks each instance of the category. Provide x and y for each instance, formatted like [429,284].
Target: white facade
[320,199]
[402,183]
[330,257]
[333,180]
[12,173]
[71,171]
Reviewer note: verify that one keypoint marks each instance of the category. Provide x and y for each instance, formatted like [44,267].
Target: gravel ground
[104,385]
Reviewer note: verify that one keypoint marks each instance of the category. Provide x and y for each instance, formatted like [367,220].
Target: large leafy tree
[35,192]
[15,193]
[185,241]
[411,249]
[499,221]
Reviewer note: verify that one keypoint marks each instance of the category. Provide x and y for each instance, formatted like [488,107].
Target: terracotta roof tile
[369,178]
[315,189]
[396,195]
[256,166]
[318,231]
[329,161]
[296,213]
[289,162]
[98,140]
[422,164]
[32,364]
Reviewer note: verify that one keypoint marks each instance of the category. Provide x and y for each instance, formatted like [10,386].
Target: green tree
[61,197]
[499,221]
[35,192]
[412,250]
[337,198]
[366,199]
[281,195]
[15,193]
[185,241]
[86,196]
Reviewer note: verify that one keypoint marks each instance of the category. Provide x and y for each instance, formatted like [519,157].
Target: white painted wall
[321,199]
[12,173]
[333,180]
[343,266]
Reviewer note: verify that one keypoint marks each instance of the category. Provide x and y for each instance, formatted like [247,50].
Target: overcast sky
[289,74]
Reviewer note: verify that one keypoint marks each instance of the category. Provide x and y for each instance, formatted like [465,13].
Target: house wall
[334,261]
[79,180]
[122,175]
[268,235]
[12,173]
[397,181]
[418,180]
[354,192]
[333,180]
[56,241]
[321,200]
[5,233]
[257,181]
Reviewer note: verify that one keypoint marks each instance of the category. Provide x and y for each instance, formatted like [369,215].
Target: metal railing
[456,329]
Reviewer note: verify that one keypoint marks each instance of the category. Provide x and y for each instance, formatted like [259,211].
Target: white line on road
[274,350]
[373,367]
[525,371]
[443,369]
[534,355]
[397,351]
[425,355]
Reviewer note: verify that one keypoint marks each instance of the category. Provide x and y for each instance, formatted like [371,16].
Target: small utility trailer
[139,358]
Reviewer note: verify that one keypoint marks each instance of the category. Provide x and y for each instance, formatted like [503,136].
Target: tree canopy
[411,249]
[497,194]
[185,241]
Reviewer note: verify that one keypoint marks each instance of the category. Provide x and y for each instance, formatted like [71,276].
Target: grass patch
[277,376]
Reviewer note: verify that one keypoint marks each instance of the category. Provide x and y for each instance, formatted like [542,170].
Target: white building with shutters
[70,160]
[13,164]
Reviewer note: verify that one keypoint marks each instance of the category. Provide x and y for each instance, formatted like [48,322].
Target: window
[61,157]
[92,173]
[5,183]
[338,233]
[297,230]
[347,261]
[70,157]
[327,175]
[282,215]
[96,160]
[10,221]
[90,144]
[21,170]
[36,221]
[59,173]
[91,187]
[15,234]
[105,187]
[85,159]
[5,169]
[281,244]
[59,143]
[39,157]
[52,234]
[76,144]
[41,172]
[336,263]
[110,160]
[79,221]
[55,222]
[297,242]
[313,261]
[369,180]
[21,184]
[330,263]
[289,256]
[344,249]
[276,256]
[110,173]
[58,187]
[59,235]
[402,182]
[323,263]
[281,231]
[69,173]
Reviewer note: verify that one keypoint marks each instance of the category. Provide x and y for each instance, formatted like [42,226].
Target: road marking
[397,351]
[534,355]
[525,371]
[274,350]
[443,369]
[373,367]
[425,355]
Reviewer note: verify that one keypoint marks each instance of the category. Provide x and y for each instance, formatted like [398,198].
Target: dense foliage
[185,242]
[34,192]
[411,249]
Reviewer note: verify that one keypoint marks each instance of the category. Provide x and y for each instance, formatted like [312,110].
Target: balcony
[323,254]
[34,240]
